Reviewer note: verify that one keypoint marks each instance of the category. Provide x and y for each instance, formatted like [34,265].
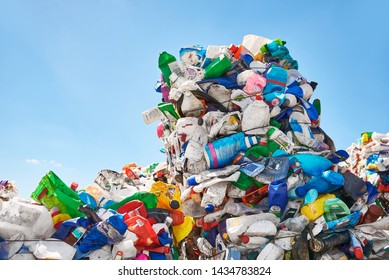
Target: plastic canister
[217,67]
[281,139]
[252,43]
[372,214]
[335,208]
[278,194]
[316,209]
[237,226]
[221,152]
[256,118]
[168,64]
[271,252]
[20,216]
[276,78]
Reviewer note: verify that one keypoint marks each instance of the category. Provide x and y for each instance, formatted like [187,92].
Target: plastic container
[276,78]
[209,174]
[313,165]
[217,67]
[373,214]
[168,196]
[271,252]
[168,64]
[278,194]
[221,152]
[281,139]
[296,224]
[316,209]
[335,208]
[238,225]
[327,183]
[21,216]
[256,118]
[252,43]
[52,192]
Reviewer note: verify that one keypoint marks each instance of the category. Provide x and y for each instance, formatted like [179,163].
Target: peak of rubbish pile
[249,174]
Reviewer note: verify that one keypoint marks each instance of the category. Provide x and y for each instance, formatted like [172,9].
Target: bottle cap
[245,239]
[74,186]
[209,208]
[174,204]
[191,181]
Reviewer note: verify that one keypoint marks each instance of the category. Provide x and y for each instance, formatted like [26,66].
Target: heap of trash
[249,175]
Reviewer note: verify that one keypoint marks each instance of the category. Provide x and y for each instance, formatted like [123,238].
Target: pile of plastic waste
[249,174]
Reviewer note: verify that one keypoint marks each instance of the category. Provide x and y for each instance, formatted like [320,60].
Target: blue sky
[75,76]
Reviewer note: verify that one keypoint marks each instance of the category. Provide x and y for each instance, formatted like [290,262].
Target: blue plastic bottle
[278,194]
[328,182]
[221,152]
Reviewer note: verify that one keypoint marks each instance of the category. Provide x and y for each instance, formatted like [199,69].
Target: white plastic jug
[21,216]
[253,43]
[271,252]
[256,117]
[238,225]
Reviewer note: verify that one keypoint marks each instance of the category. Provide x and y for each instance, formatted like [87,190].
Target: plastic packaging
[221,152]
[314,210]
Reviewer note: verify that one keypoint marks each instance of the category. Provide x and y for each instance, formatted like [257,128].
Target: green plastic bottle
[217,67]
[168,64]
[244,182]
[149,199]
[335,208]
[53,192]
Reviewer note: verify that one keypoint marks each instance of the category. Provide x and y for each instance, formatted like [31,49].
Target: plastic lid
[174,204]
[209,208]
[245,239]
[191,181]
[358,253]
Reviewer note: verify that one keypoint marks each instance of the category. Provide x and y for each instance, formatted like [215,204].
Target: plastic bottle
[271,252]
[168,64]
[256,118]
[296,224]
[239,225]
[168,196]
[356,246]
[209,174]
[316,209]
[149,199]
[281,139]
[335,208]
[238,209]
[217,67]
[214,195]
[252,43]
[276,78]
[373,214]
[221,152]
[327,183]
[253,241]
[214,51]
[278,194]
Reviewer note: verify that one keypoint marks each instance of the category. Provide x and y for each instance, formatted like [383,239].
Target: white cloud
[44,162]
[32,161]
[57,164]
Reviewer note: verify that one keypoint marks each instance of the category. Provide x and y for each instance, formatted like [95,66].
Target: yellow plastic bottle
[315,209]
[168,195]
